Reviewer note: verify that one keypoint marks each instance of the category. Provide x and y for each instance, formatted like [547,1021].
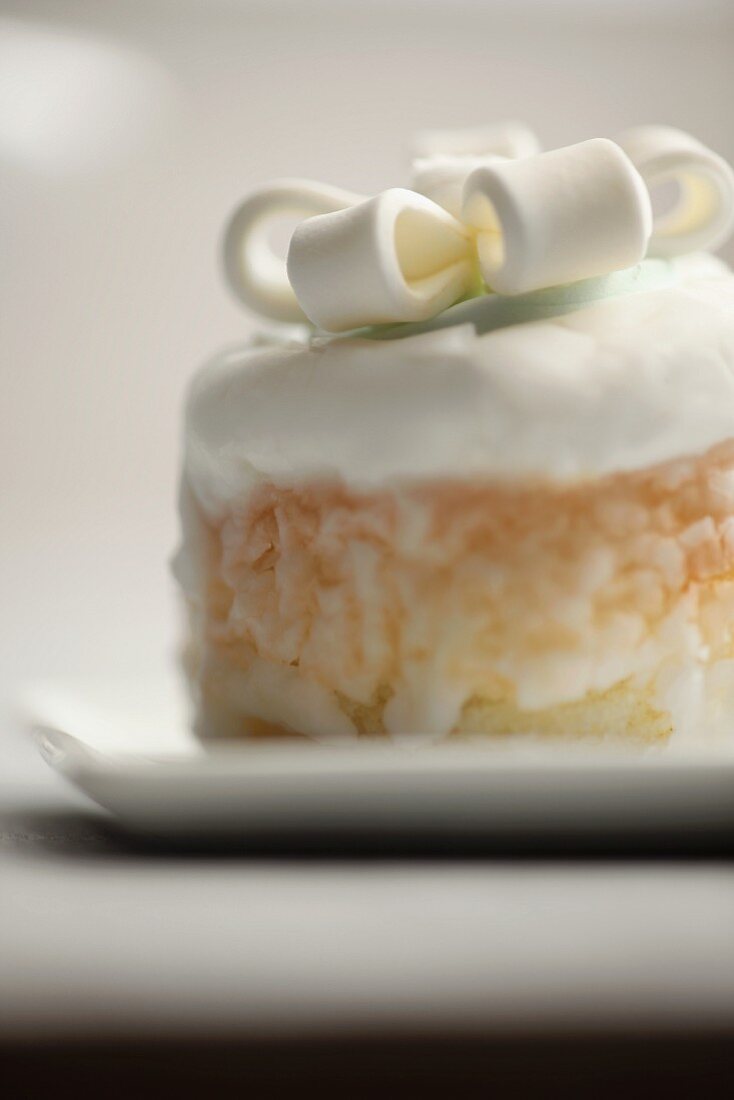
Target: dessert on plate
[480,480]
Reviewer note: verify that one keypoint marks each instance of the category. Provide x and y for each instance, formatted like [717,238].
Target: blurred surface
[103,936]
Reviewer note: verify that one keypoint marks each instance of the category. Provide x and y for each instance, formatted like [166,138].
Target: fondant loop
[442,178]
[490,203]
[444,158]
[702,217]
[558,217]
[504,139]
[254,272]
[395,257]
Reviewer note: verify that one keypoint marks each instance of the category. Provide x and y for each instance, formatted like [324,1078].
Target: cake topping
[557,217]
[494,217]
[395,257]
[444,158]
[253,270]
[702,215]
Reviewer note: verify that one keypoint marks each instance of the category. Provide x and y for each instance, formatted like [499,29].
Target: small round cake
[511,516]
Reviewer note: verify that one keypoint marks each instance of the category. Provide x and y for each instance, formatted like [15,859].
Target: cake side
[446,608]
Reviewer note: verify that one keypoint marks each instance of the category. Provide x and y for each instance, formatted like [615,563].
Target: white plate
[125,744]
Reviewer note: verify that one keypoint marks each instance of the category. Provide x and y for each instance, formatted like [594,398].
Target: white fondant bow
[489,204]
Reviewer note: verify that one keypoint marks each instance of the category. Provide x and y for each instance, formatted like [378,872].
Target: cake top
[624,362]
[622,383]
[497,218]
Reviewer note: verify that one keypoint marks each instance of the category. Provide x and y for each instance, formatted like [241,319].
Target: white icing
[622,384]
[558,217]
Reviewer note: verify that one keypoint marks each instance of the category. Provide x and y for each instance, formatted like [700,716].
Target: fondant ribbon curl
[487,212]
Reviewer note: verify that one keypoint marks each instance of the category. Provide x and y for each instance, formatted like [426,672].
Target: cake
[510,515]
